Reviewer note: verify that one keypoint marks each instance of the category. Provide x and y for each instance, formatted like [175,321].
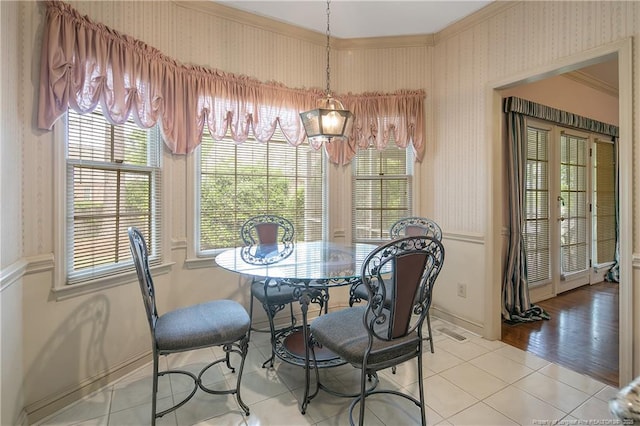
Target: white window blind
[113,182]
[381,191]
[238,181]
[574,248]
[536,224]
[604,201]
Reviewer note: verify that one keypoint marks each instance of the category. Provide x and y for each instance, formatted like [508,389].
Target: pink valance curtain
[85,64]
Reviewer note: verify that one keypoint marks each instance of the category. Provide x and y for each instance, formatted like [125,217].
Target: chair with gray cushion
[267,231]
[222,323]
[408,226]
[381,335]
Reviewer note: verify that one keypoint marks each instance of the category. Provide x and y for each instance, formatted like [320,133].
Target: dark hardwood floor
[581,335]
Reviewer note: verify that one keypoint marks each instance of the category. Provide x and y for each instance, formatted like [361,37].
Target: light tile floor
[473,382]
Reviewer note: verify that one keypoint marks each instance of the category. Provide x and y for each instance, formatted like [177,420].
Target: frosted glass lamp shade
[327,122]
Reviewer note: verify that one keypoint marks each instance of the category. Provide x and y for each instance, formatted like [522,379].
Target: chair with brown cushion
[415,225]
[408,226]
[223,323]
[267,231]
[382,335]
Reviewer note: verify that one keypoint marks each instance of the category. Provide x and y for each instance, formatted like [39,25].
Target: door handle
[561,218]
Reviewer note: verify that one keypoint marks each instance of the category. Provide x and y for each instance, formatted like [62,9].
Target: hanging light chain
[329,121]
[328,50]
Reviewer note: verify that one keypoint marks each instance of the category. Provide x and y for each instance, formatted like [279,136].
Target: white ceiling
[360,18]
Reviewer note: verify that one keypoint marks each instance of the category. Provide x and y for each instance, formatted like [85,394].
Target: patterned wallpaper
[506,39]
[10,129]
[521,37]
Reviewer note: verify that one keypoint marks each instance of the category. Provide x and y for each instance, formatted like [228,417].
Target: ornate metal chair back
[140,255]
[267,229]
[414,226]
[407,267]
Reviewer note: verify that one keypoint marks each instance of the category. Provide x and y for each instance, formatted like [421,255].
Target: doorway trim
[494,162]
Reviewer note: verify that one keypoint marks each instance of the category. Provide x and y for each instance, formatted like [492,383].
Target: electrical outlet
[462,290]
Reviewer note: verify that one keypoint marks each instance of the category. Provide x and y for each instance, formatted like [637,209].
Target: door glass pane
[573,190]
[604,199]
[536,221]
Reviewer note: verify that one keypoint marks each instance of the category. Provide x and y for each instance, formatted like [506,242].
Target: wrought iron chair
[408,226]
[223,323]
[270,230]
[381,335]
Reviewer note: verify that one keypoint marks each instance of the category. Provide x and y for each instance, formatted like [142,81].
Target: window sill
[70,291]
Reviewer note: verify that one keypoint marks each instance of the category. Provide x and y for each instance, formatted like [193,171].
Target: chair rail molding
[179,243]
[40,263]
[25,266]
[466,237]
[12,273]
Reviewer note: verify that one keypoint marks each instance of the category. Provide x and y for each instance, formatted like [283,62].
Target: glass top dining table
[317,262]
[310,268]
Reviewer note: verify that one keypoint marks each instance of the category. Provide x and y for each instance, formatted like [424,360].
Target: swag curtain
[85,64]
[516,305]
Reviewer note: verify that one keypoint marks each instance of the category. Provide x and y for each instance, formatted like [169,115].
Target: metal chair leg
[423,411]
[430,335]
[244,343]
[363,393]
[250,316]
[293,317]
[154,395]
[270,313]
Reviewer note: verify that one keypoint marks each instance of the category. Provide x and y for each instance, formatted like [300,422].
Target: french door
[569,197]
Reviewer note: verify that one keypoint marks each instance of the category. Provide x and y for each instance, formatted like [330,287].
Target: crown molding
[268,24]
[592,82]
[489,11]
[288,30]
[418,40]
[247,18]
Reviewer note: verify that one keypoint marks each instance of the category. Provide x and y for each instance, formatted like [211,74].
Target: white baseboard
[46,407]
[459,321]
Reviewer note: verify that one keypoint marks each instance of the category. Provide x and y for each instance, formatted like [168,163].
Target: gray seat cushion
[277,294]
[207,324]
[343,332]
[361,293]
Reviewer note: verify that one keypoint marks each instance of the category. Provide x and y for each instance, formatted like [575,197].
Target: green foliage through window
[381,191]
[238,181]
[113,182]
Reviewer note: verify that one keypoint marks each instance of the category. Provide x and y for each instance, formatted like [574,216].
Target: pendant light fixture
[329,121]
